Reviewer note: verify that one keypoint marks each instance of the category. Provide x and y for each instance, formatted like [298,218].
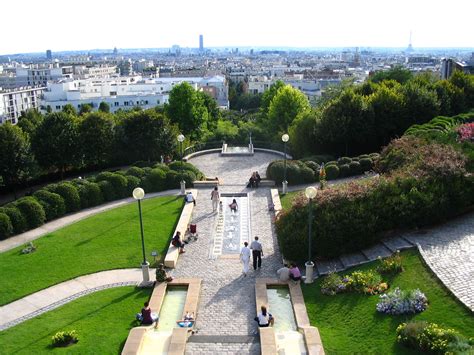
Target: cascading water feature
[233,227]
[288,339]
[156,341]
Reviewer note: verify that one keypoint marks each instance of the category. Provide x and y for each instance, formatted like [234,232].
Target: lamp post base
[309,272]
[183,187]
[146,273]
[284,186]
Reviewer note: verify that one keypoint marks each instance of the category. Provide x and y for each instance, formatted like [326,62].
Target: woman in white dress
[245,258]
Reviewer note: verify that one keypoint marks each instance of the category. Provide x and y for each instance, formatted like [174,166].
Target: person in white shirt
[245,258]
[264,318]
[284,273]
[190,198]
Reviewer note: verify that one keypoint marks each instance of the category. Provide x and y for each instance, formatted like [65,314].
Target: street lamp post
[183,183]
[310,193]
[138,195]
[284,183]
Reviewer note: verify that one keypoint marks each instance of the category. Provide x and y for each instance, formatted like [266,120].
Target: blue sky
[33,25]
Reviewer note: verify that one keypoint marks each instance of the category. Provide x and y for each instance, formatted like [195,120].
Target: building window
[125,103]
[116,103]
[157,102]
[58,107]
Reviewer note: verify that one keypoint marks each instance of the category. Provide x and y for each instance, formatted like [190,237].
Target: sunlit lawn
[349,323]
[286,200]
[109,240]
[102,321]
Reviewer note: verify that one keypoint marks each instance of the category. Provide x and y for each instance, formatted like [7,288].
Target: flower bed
[368,282]
[402,302]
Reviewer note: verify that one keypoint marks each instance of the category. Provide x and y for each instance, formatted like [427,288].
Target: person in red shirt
[148,317]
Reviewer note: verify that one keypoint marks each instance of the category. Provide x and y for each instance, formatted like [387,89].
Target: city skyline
[305,24]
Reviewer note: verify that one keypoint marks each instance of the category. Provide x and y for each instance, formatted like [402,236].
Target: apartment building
[14,102]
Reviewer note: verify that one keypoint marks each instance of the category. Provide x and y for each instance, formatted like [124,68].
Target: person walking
[245,258]
[215,199]
[257,253]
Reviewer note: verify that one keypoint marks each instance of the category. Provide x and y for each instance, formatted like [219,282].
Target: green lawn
[109,240]
[102,321]
[286,200]
[349,323]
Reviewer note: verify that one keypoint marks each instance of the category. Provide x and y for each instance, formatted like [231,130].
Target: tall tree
[70,110]
[145,135]
[186,108]
[104,107]
[55,142]
[268,96]
[29,120]
[16,159]
[96,136]
[214,114]
[397,73]
[285,106]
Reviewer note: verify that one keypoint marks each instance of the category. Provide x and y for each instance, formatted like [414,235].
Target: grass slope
[105,241]
[102,321]
[349,323]
[287,200]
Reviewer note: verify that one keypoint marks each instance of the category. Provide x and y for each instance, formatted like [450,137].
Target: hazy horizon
[271,24]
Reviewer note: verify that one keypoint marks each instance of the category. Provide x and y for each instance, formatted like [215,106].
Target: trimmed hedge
[6,228]
[16,218]
[53,204]
[107,189]
[132,183]
[332,171]
[118,181]
[32,210]
[69,193]
[89,193]
[297,172]
[155,181]
[136,171]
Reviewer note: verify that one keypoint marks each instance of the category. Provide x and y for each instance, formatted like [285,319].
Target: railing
[218,144]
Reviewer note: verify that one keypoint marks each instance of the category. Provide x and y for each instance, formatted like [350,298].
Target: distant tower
[49,54]
[201,43]
[410,46]
[115,51]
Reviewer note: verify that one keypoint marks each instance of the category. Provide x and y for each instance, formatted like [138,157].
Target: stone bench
[172,255]
[276,202]
[266,183]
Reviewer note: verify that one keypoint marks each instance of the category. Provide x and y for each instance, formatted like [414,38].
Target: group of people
[257,252]
[254,179]
[289,272]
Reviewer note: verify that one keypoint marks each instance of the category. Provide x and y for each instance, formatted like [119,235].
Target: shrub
[179,166]
[332,172]
[118,182]
[132,183]
[297,172]
[402,302]
[69,193]
[155,181]
[144,164]
[355,168]
[364,156]
[313,166]
[107,190]
[344,170]
[61,339]
[391,265]
[136,171]
[322,158]
[32,210]
[374,156]
[344,160]
[6,228]
[53,204]
[431,338]
[365,164]
[90,194]
[366,282]
[16,218]
[172,180]
[331,162]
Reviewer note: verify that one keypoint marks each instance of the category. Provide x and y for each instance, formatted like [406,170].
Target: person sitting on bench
[177,242]
[190,198]
[295,273]
[147,317]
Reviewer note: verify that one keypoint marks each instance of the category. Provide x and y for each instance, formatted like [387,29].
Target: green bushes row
[440,123]
[307,170]
[426,188]
[55,200]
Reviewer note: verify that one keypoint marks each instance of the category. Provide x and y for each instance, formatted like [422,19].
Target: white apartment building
[39,75]
[127,92]
[312,88]
[14,102]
